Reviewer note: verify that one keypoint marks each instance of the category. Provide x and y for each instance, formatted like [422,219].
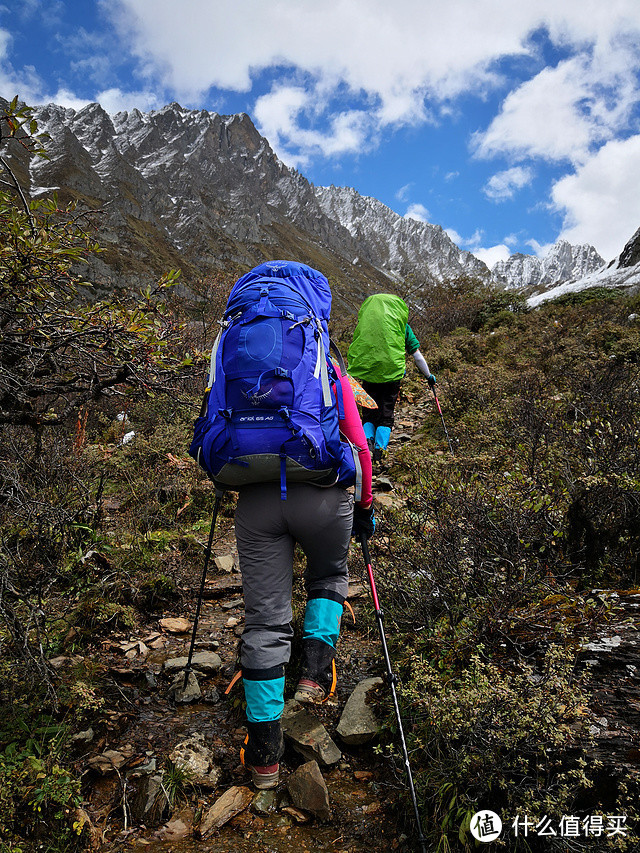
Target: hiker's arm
[422,365]
[412,346]
[351,426]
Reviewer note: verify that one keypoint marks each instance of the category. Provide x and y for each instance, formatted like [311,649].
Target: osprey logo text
[485,826]
[252,419]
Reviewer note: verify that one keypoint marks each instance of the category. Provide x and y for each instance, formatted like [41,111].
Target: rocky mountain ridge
[562,263]
[395,243]
[190,189]
[623,272]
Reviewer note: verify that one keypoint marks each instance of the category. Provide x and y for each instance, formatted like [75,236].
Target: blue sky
[510,124]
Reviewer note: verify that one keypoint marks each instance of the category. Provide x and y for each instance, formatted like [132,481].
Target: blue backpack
[273,401]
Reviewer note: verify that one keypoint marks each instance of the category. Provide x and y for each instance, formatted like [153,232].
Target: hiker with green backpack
[376,358]
[280,426]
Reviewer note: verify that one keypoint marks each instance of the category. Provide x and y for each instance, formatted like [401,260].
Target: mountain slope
[189,189]
[206,192]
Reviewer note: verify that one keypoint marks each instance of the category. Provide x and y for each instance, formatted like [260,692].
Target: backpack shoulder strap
[212,363]
[333,348]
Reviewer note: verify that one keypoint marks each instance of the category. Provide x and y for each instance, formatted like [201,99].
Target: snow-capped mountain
[204,192]
[563,262]
[190,189]
[623,272]
[396,243]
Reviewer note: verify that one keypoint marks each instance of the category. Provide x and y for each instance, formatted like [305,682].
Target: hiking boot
[264,778]
[310,691]
[318,677]
[261,753]
[377,455]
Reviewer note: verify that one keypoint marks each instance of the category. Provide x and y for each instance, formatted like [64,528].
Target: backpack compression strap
[321,368]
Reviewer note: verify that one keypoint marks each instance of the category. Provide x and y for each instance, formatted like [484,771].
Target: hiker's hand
[364,521]
[431,379]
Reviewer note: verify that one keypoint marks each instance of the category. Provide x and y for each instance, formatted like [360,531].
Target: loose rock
[196,758]
[265,802]
[226,563]
[175,625]
[308,736]
[231,803]
[151,803]
[358,724]
[205,662]
[308,790]
[182,695]
[110,760]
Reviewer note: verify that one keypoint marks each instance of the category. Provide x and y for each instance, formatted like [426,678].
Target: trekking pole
[444,426]
[207,557]
[392,683]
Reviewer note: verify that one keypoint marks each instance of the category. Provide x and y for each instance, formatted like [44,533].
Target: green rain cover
[377,352]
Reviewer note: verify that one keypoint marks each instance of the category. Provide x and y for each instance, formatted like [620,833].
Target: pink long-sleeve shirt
[351,426]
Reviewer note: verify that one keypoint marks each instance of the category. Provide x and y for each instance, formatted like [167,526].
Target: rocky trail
[164,775]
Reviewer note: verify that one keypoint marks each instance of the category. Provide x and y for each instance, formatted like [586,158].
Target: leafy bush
[39,798]
[60,355]
[490,738]
[487,571]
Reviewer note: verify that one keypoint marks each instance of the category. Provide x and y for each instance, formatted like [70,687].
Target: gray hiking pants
[267,529]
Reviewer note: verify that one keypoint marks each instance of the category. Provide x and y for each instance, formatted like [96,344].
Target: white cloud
[115,100]
[566,110]
[492,255]
[280,115]
[540,249]
[418,212]
[66,99]
[504,185]
[404,61]
[394,54]
[454,236]
[601,200]
[403,193]
[24,84]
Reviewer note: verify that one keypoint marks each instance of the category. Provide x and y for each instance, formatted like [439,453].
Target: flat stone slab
[308,736]
[231,803]
[205,662]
